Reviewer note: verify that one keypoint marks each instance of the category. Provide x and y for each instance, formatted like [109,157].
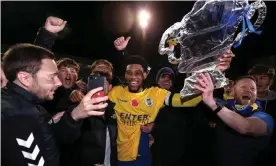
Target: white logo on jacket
[32,154]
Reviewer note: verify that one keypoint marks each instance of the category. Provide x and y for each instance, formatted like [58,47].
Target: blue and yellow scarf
[244,110]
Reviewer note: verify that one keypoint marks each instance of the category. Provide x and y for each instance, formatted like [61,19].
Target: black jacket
[169,136]
[182,136]
[90,141]
[45,38]
[232,148]
[60,102]
[268,156]
[27,128]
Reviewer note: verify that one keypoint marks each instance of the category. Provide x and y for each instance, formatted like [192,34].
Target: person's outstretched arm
[259,123]
[47,34]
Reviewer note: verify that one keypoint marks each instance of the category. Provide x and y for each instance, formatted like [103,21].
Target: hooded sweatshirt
[268,102]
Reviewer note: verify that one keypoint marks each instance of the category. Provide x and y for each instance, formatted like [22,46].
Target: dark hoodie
[168,140]
[268,104]
[169,132]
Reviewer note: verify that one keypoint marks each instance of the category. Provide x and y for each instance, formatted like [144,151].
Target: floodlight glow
[143,18]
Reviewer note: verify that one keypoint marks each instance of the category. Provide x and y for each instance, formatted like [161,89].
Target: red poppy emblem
[134,102]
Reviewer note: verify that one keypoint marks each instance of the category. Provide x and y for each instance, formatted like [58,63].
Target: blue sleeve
[219,100]
[266,118]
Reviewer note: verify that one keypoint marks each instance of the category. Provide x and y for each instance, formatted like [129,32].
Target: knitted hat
[165,70]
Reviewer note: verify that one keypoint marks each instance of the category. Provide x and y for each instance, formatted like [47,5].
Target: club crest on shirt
[134,102]
[148,101]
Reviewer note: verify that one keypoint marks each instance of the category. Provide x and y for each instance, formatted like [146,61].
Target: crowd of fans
[49,118]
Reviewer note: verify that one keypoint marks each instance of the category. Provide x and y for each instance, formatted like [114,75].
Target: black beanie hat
[165,70]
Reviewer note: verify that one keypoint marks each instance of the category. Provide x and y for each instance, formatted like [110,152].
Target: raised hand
[90,106]
[121,43]
[54,24]
[76,96]
[224,61]
[81,85]
[206,86]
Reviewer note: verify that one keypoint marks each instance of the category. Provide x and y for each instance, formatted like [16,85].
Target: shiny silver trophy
[205,33]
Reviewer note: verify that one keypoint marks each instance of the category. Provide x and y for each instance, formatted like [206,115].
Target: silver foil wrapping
[217,76]
[205,33]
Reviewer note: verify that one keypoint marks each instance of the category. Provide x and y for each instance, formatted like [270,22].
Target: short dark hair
[24,57]
[108,74]
[262,69]
[68,62]
[101,61]
[136,59]
[245,77]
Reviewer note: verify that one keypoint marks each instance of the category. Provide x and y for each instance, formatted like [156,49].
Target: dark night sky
[93,26]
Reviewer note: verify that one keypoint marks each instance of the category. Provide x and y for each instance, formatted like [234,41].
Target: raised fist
[54,24]
[121,43]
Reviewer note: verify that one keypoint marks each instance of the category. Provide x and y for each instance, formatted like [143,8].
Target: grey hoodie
[271,95]
[269,103]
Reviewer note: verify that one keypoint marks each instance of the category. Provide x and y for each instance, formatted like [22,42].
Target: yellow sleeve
[227,96]
[161,95]
[176,101]
[113,94]
[165,97]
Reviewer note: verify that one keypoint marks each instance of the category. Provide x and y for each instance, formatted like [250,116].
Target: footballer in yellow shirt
[136,106]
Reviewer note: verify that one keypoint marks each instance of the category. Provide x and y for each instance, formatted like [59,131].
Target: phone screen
[94,82]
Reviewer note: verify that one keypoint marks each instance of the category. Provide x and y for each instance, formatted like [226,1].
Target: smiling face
[245,91]
[45,81]
[165,81]
[135,76]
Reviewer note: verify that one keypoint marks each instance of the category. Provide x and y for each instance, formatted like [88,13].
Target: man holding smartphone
[27,127]
[93,126]
[101,68]
[46,38]
[96,144]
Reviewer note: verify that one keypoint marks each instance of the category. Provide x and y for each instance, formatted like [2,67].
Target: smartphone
[95,81]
